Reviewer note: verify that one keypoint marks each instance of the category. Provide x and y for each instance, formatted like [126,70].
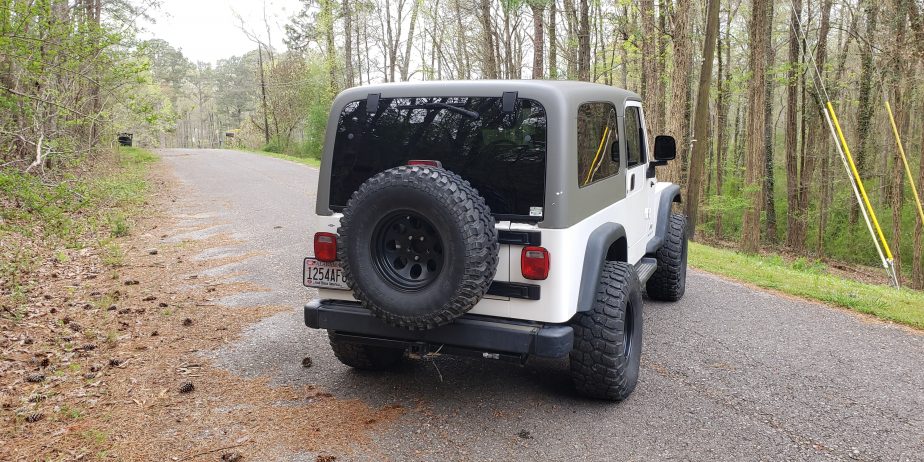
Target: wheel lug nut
[421,238]
[416,258]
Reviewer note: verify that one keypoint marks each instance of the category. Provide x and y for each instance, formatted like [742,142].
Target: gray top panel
[566,204]
[564,91]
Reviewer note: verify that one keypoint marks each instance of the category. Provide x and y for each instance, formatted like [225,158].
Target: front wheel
[669,281]
[364,357]
[608,338]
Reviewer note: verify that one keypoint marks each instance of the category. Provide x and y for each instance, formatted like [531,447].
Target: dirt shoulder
[108,361]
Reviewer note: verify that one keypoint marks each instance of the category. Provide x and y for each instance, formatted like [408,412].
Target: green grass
[811,281]
[310,161]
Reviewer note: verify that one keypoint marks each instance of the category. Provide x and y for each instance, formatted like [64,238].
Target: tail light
[535,263]
[325,246]
[428,163]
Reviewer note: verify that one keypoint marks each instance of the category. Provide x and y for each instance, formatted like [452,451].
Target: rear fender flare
[598,247]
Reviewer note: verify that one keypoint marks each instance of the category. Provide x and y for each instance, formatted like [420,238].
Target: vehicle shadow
[454,378]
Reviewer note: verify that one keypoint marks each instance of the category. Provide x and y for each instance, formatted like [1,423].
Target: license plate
[324,274]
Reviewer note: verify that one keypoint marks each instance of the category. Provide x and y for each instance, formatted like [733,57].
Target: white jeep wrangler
[504,219]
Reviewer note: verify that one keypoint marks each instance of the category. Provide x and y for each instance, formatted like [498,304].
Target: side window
[597,137]
[635,139]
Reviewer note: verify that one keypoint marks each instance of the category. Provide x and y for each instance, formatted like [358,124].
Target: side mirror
[665,148]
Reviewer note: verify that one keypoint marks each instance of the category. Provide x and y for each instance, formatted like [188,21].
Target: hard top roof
[571,91]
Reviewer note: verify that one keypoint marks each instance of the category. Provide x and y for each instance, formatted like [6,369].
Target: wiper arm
[446,106]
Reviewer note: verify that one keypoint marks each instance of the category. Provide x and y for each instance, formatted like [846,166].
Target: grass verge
[309,161]
[811,281]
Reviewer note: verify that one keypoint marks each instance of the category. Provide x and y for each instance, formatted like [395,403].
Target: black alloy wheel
[407,250]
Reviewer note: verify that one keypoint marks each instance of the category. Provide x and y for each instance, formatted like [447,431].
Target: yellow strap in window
[596,156]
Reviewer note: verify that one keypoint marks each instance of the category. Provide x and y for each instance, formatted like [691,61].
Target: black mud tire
[669,281]
[461,260]
[364,357]
[608,339]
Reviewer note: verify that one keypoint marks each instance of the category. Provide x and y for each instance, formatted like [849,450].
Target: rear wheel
[365,357]
[608,338]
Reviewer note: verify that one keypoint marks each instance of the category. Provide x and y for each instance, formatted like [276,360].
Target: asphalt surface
[728,373]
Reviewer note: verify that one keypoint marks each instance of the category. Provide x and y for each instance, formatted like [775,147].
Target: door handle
[632,183]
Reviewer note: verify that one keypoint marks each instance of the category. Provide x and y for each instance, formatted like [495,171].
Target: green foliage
[71,81]
[118,225]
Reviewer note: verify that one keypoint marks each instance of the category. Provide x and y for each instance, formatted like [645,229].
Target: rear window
[597,139]
[502,154]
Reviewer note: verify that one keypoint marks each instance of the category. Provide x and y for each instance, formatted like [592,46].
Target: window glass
[635,137]
[597,136]
[502,154]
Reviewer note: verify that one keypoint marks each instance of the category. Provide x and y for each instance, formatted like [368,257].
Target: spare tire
[418,246]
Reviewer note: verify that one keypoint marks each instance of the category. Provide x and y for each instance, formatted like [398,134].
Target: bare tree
[701,121]
[538,10]
[677,122]
[348,43]
[490,69]
[753,175]
[651,87]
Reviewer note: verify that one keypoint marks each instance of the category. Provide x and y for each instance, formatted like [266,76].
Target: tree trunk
[757,61]
[571,42]
[266,134]
[465,68]
[701,119]
[794,233]
[406,59]
[897,177]
[817,133]
[553,41]
[917,271]
[864,98]
[770,232]
[650,84]
[391,40]
[723,82]
[678,119]
[348,44]
[584,41]
[737,145]
[327,13]
[490,59]
[538,40]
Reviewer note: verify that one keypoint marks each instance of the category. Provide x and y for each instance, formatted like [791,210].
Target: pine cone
[232,457]
[187,387]
[35,378]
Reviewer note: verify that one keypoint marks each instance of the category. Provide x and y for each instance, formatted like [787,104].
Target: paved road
[729,373]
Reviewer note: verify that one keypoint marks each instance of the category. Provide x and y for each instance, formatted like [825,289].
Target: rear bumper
[470,334]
